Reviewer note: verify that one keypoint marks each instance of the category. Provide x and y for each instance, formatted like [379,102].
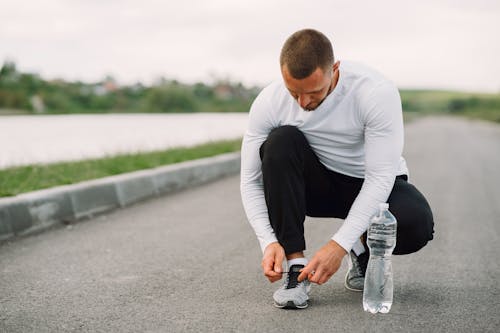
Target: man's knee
[281,143]
[414,234]
[415,219]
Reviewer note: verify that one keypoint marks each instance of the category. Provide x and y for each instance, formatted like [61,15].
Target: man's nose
[303,100]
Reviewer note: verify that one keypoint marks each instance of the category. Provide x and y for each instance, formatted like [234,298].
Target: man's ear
[336,66]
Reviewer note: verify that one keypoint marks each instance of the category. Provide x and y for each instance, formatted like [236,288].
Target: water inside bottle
[381,240]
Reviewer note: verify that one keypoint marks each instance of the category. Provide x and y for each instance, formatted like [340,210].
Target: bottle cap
[384,206]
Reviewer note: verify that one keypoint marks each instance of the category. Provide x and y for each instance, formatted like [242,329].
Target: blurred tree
[29,91]
[171,98]
[8,70]
[203,92]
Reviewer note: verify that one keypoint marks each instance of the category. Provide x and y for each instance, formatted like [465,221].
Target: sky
[426,44]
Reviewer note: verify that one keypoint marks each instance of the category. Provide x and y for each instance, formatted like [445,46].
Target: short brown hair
[304,51]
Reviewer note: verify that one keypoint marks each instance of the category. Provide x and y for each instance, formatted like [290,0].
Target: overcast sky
[447,44]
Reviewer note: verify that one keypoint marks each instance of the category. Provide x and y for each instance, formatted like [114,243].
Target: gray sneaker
[293,294]
[355,277]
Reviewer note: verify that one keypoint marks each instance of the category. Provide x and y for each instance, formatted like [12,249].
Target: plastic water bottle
[378,289]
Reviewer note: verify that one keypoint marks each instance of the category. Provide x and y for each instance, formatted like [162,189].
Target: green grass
[415,102]
[18,180]
[472,105]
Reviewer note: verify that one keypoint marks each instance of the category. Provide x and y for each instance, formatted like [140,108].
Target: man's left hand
[324,263]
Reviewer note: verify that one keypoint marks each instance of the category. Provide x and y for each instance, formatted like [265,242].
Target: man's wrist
[336,247]
[270,245]
[341,242]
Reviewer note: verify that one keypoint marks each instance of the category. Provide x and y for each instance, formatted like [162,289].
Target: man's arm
[251,186]
[382,115]
[384,137]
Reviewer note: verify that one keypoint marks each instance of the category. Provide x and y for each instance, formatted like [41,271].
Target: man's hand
[324,263]
[272,261]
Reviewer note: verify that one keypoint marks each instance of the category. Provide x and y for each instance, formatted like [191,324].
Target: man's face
[312,90]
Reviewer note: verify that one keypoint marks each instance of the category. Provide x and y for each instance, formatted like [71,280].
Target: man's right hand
[272,261]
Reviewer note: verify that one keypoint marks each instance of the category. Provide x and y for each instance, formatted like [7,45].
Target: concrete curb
[35,211]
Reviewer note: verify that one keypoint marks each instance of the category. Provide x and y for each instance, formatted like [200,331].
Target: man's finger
[303,275]
[274,278]
[325,278]
[273,274]
[269,270]
[278,263]
[306,271]
[267,263]
[267,266]
[317,276]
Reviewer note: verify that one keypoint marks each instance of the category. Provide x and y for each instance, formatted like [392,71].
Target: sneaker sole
[347,286]
[291,305]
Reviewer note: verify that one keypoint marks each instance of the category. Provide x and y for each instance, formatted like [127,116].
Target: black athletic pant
[296,184]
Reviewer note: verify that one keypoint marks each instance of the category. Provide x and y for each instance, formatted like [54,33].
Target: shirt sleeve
[251,186]
[382,117]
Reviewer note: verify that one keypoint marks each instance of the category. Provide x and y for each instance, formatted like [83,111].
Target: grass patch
[472,105]
[23,179]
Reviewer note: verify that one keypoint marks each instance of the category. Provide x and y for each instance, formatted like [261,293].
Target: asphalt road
[190,261]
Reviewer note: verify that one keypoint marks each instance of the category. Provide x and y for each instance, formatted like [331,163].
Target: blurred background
[83,79]
[440,44]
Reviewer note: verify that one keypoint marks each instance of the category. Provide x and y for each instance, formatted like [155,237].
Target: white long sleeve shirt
[356,131]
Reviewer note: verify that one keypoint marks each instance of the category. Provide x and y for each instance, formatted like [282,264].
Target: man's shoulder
[358,71]
[365,80]
[274,89]
[273,96]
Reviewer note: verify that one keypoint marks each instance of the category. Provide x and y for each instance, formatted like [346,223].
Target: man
[325,142]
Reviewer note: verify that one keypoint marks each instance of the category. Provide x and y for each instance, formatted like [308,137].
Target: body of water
[51,138]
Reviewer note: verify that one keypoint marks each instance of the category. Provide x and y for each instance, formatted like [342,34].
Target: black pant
[297,184]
